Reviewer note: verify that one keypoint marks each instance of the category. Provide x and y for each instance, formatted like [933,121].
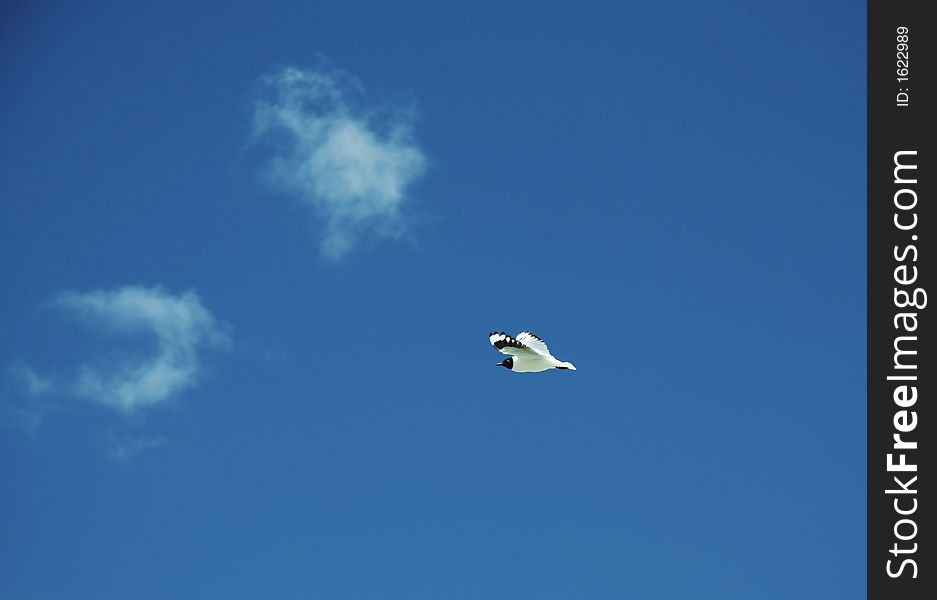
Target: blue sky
[251,254]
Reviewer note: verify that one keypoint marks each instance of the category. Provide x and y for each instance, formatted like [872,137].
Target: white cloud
[181,326]
[350,166]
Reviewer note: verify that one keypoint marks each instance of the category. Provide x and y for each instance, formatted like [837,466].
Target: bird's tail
[566,365]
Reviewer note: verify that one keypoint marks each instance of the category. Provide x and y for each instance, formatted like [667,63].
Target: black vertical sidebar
[902,372]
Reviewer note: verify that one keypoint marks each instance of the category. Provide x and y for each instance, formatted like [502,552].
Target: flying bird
[527,353]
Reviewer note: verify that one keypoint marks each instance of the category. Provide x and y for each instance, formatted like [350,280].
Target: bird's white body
[529,353]
[535,364]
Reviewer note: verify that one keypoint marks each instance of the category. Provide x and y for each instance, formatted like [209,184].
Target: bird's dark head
[508,363]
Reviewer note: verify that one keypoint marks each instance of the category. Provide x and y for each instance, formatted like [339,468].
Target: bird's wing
[533,341]
[508,345]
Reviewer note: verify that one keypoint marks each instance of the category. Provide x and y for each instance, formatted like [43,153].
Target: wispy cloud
[168,335]
[181,326]
[352,165]
[123,450]
[177,328]
[32,382]
[23,408]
